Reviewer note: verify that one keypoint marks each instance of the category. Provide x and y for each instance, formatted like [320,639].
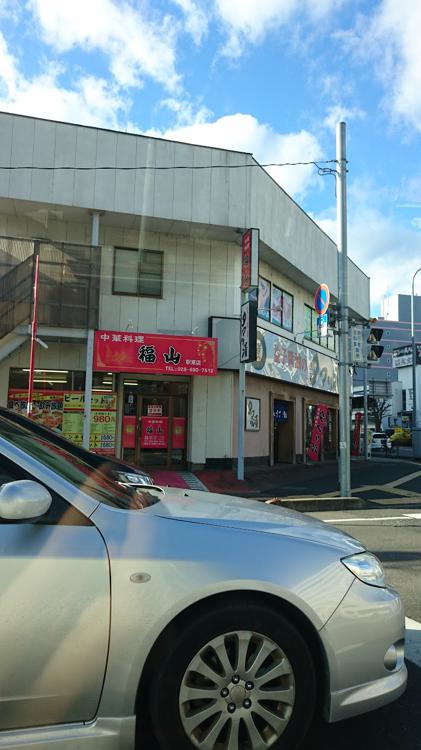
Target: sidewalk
[278,481]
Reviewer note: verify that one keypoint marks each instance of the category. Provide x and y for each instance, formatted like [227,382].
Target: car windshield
[97,481]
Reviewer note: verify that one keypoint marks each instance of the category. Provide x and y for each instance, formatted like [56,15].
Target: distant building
[383,377]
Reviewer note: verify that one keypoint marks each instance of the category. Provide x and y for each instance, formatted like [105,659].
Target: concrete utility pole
[416,427]
[344,380]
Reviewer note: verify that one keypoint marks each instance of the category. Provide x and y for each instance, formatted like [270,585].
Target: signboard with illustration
[63,411]
[154,432]
[282,359]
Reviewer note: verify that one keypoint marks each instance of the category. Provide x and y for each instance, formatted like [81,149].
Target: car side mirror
[23,499]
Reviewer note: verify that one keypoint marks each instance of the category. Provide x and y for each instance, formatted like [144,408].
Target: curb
[318,503]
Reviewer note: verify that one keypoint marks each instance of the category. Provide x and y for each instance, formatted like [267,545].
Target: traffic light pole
[344,380]
[416,428]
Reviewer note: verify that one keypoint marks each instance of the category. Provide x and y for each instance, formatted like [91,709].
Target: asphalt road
[396,539]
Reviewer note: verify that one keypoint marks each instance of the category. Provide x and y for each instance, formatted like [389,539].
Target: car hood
[193,506]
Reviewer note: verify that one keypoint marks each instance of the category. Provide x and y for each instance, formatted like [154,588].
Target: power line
[320,169]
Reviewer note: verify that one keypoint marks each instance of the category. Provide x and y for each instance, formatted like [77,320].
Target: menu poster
[63,411]
[47,406]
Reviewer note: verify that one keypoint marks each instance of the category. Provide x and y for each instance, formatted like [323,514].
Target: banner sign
[128,435]
[283,359]
[249,259]
[154,432]
[119,351]
[357,431]
[248,331]
[63,411]
[178,432]
[319,426]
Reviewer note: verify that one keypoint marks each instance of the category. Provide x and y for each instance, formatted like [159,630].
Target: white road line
[413,641]
[371,518]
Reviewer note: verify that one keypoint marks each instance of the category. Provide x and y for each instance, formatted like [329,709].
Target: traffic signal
[375,351]
[332,316]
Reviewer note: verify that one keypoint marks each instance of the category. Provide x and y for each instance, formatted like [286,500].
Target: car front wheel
[235,678]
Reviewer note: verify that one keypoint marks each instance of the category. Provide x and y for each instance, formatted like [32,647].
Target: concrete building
[149,255]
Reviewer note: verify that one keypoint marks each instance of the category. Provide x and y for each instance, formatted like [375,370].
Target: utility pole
[344,380]
[416,427]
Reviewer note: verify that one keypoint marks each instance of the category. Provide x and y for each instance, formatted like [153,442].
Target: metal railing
[69,284]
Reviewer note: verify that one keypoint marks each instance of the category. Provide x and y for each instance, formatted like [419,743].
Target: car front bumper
[364,644]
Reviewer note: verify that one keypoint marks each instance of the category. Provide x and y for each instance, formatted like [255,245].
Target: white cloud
[397,26]
[248,21]
[340,113]
[91,100]
[136,46]
[384,248]
[196,20]
[390,38]
[243,132]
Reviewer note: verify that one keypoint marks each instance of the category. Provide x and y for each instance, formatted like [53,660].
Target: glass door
[154,420]
[154,429]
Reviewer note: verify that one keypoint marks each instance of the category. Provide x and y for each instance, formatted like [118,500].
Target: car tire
[234,655]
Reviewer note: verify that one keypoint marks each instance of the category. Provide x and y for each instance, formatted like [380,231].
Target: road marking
[352,519]
[413,641]
[404,479]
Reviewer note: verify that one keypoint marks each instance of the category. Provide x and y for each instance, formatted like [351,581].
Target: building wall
[236,198]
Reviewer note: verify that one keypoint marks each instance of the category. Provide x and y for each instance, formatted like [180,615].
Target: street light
[416,447]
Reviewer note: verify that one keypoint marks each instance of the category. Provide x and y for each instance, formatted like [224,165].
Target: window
[311,333]
[137,272]
[281,308]
[263,301]
[275,305]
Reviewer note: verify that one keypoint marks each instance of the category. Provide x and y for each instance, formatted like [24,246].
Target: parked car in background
[380,441]
[213,622]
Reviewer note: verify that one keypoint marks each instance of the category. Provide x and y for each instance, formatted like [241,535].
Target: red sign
[154,432]
[319,426]
[357,431]
[128,437]
[119,351]
[178,432]
[249,258]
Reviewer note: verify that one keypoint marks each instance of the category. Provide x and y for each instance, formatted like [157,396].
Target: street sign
[322,299]
[322,321]
[357,345]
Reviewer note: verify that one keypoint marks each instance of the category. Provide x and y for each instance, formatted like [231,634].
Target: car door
[54,615]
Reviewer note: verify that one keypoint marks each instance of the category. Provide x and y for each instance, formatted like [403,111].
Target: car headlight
[366,567]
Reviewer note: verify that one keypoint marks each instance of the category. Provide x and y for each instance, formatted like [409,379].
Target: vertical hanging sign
[319,426]
[249,259]
[248,331]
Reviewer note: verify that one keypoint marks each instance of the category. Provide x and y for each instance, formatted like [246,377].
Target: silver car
[206,621]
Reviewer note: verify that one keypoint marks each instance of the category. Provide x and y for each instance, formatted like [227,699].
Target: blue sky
[268,76]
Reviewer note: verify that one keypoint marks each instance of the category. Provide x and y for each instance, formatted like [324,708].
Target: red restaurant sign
[120,351]
[154,432]
[319,426]
[249,259]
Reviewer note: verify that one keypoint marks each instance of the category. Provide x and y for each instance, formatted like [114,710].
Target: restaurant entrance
[154,430]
